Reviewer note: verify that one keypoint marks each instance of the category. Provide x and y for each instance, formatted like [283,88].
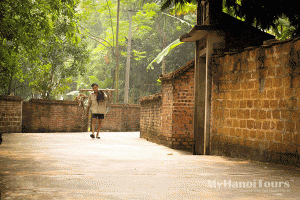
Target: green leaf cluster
[41,48]
[152,32]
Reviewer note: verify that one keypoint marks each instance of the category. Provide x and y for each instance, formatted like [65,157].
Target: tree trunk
[117,52]
[126,95]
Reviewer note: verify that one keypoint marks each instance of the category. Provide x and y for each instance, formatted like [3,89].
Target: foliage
[152,31]
[61,57]
[40,47]
[270,16]
[160,56]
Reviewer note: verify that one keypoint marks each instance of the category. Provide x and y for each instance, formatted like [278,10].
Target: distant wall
[52,116]
[10,114]
[122,117]
[40,115]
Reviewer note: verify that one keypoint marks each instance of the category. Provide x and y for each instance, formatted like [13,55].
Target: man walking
[98,102]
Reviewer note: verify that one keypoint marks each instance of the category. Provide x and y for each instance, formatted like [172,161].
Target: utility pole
[126,92]
[117,52]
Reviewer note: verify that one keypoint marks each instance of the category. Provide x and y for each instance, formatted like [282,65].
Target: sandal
[92,136]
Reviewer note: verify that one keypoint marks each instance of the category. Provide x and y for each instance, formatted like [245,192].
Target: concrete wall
[255,104]
[10,114]
[52,116]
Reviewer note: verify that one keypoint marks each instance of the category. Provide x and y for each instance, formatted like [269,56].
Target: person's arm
[109,95]
[89,105]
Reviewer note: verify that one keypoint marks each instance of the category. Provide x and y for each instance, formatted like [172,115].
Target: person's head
[95,87]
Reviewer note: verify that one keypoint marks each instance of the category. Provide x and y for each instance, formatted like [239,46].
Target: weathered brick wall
[183,119]
[255,104]
[10,114]
[178,106]
[167,118]
[122,117]
[52,116]
[167,113]
[150,118]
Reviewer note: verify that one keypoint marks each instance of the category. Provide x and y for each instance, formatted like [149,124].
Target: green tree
[25,27]
[62,59]
[152,30]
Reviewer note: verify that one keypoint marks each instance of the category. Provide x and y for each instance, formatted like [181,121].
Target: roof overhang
[200,32]
[226,25]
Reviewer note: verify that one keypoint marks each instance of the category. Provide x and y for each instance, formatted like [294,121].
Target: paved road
[124,166]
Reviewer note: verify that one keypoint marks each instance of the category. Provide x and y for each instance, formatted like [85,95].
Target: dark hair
[94,84]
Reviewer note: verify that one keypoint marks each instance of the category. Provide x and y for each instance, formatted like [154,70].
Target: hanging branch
[95,38]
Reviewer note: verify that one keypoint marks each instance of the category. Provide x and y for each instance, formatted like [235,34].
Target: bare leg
[93,125]
[99,126]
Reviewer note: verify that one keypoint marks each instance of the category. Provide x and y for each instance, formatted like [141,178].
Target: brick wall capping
[178,72]
[267,44]
[125,105]
[150,97]
[47,101]
[10,98]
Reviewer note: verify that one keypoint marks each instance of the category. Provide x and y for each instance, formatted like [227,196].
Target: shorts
[98,116]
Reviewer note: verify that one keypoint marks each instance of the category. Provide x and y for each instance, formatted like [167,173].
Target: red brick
[243,104]
[257,104]
[275,114]
[287,137]
[249,104]
[278,136]
[273,104]
[279,93]
[266,104]
[285,114]
[268,83]
[260,135]
[262,114]
[254,114]
[266,125]
[290,126]
[280,126]
[252,134]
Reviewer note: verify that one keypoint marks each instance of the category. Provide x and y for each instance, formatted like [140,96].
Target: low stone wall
[10,114]
[52,116]
[122,117]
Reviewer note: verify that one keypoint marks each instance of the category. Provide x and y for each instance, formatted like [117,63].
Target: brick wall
[255,104]
[122,117]
[167,118]
[178,106]
[10,114]
[150,119]
[52,116]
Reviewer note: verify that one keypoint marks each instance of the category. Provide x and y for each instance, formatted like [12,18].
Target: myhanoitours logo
[248,184]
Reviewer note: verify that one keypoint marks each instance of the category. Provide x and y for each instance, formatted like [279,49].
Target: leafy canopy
[264,14]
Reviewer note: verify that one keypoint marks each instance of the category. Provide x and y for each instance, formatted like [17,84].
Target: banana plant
[164,52]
